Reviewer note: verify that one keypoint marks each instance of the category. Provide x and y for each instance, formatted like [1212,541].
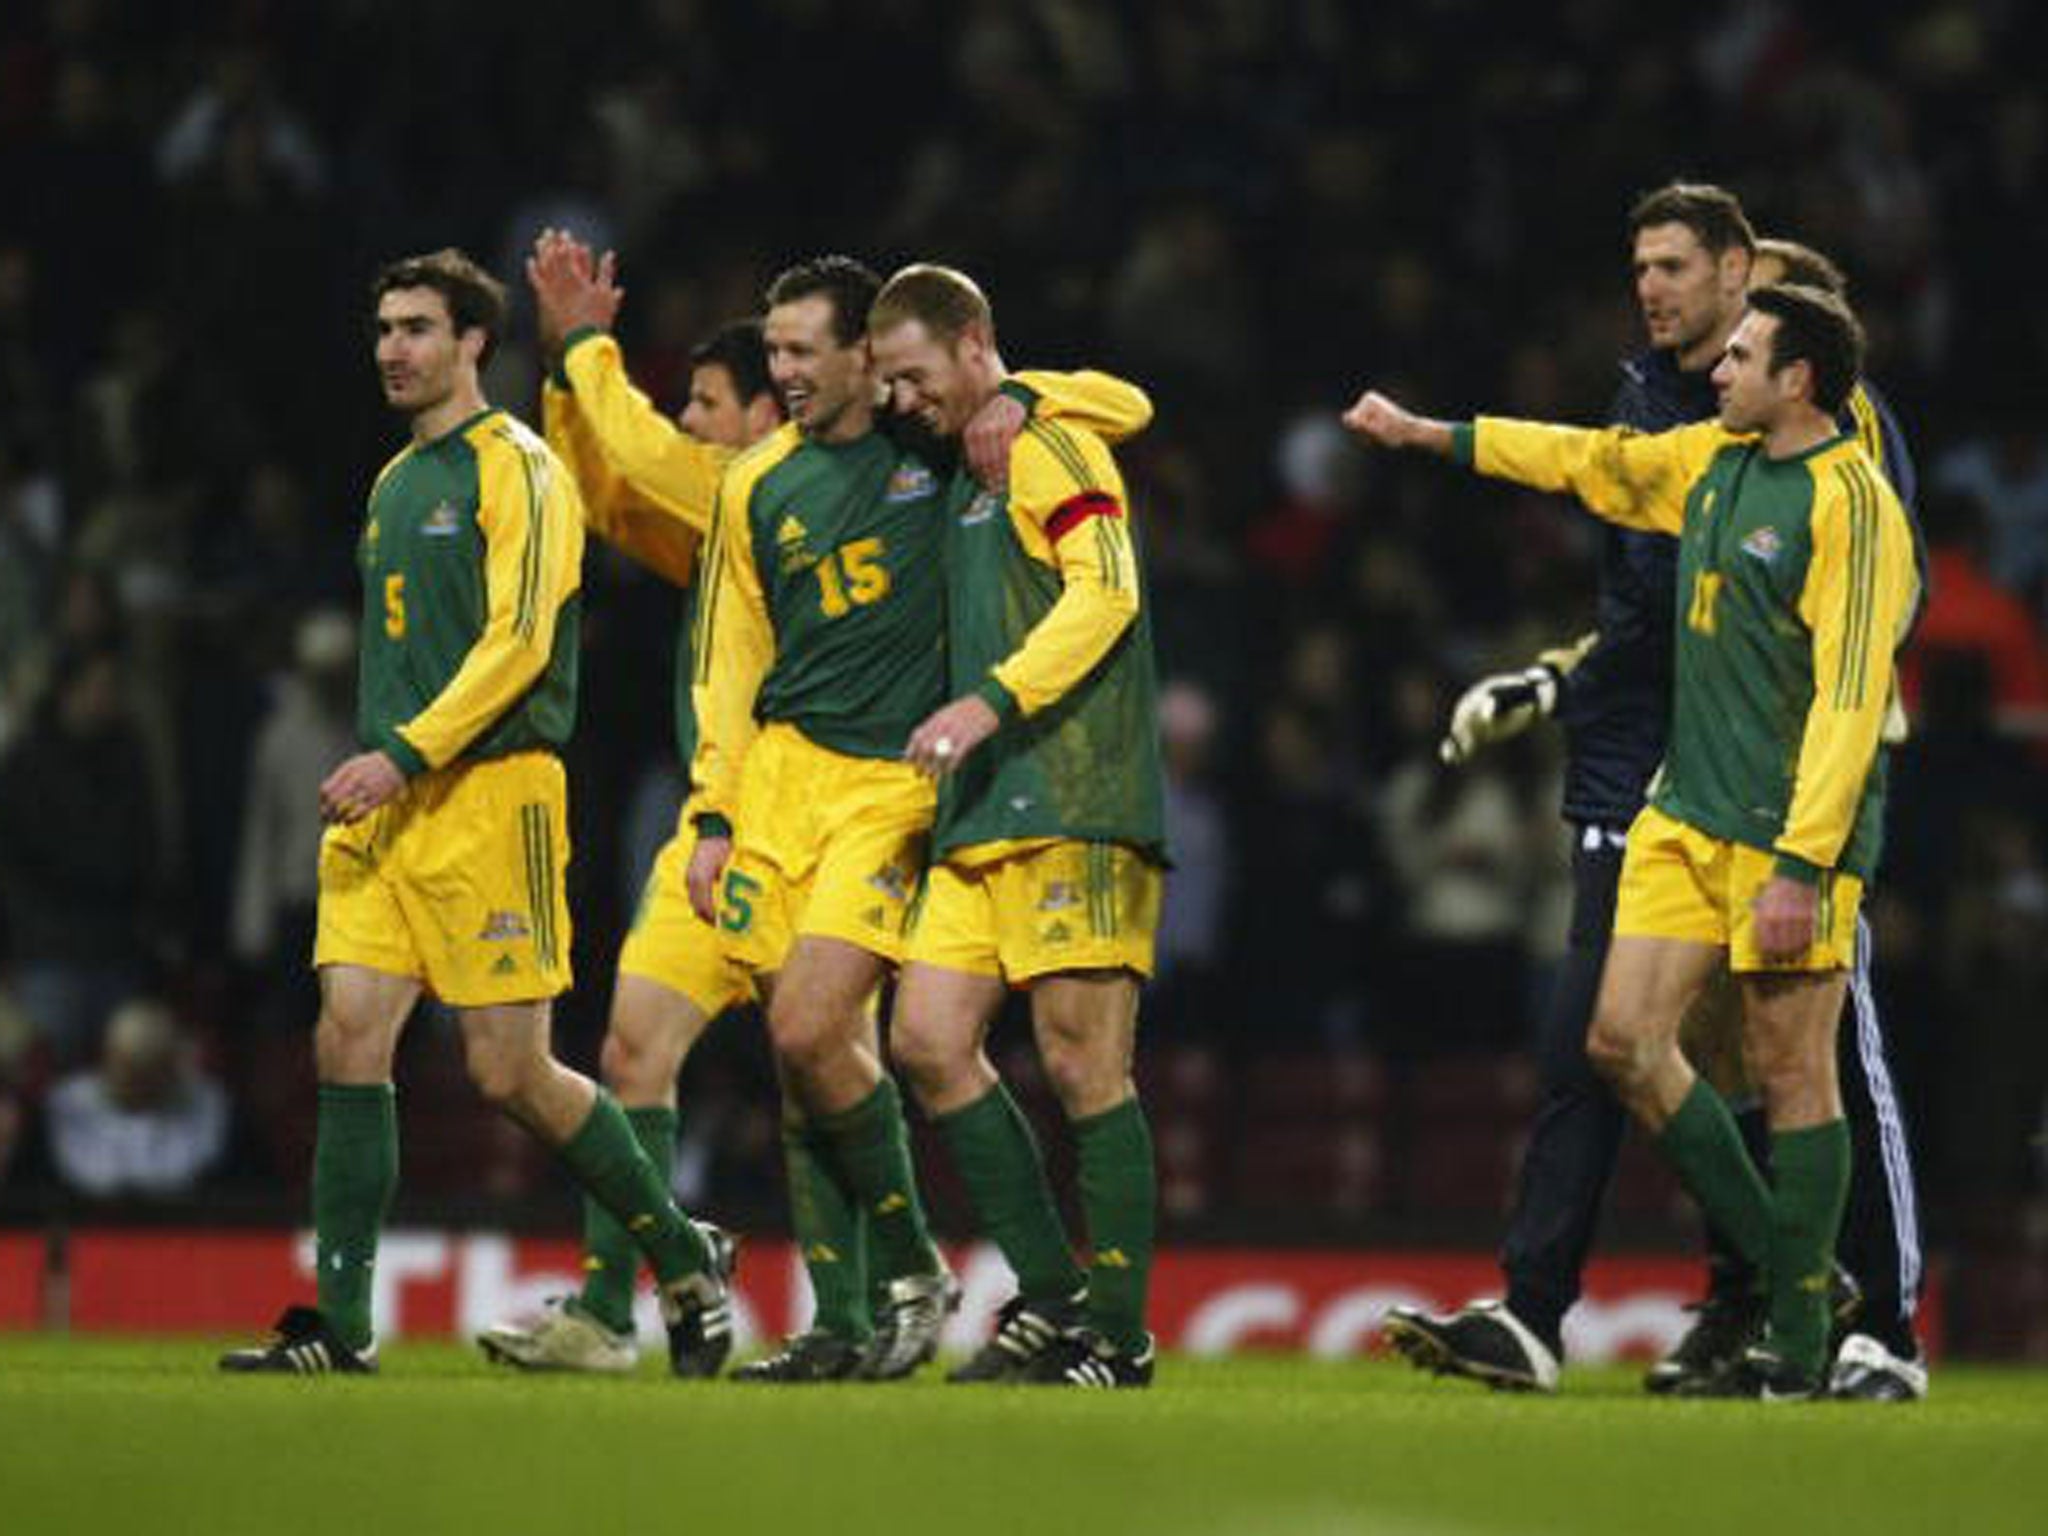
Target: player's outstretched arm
[656,475]
[674,474]
[1636,479]
[571,291]
[1384,421]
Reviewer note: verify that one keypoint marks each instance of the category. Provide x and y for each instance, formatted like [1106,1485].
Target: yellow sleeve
[1858,599]
[569,435]
[672,478]
[734,647]
[1067,503]
[532,523]
[612,509]
[1099,403]
[1636,479]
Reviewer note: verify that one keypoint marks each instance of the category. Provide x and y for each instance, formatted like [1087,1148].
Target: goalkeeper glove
[1497,707]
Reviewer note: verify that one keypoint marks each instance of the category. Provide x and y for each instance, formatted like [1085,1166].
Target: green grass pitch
[132,1435]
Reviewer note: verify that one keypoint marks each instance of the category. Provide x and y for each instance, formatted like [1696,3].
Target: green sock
[1811,1168]
[1120,1195]
[870,1146]
[355,1171]
[611,1259]
[999,1162]
[831,1234]
[1729,1273]
[608,1163]
[1705,1147]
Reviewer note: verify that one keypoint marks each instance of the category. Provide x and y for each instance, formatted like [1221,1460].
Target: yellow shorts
[1678,882]
[670,944]
[458,881]
[1046,907]
[824,844]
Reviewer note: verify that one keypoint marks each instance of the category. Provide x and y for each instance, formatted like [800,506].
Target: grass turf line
[116,1435]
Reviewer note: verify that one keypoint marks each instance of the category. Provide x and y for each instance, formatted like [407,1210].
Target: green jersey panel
[1087,766]
[1745,656]
[848,541]
[422,559]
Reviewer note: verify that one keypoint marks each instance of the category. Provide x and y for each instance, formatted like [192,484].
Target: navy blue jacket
[1615,706]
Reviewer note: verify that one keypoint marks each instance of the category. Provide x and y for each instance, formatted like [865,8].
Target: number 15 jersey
[824,603]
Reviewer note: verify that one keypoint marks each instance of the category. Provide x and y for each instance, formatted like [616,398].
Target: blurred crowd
[1253,207]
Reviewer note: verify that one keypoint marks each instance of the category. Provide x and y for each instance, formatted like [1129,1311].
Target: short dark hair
[737,347]
[1713,214]
[476,300]
[848,284]
[944,300]
[1819,329]
[1805,266]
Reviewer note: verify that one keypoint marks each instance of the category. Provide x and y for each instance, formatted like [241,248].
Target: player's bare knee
[618,1058]
[498,1073]
[1785,1078]
[639,1070]
[922,1051]
[804,1035]
[351,1048]
[1619,1053]
[1085,1078]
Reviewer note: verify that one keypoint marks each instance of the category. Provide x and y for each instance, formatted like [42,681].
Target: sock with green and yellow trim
[870,1146]
[1704,1146]
[611,1259]
[1000,1165]
[606,1159]
[831,1234]
[355,1171]
[1120,1197]
[1810,1168]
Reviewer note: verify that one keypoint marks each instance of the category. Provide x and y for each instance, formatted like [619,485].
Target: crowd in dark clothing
[1252,207]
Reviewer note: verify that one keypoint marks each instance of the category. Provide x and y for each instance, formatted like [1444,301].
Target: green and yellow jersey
[648,486]
[472,564]
[824,601]
[1047,622]
[823,605]
[1796,584]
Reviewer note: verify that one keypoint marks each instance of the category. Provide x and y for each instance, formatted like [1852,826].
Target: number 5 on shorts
[736,911]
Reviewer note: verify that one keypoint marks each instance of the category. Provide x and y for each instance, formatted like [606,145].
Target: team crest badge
[1764,544]
[502,926]
[980,510]
[1059,895]
[892,882]
[909,483]
[791,539]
